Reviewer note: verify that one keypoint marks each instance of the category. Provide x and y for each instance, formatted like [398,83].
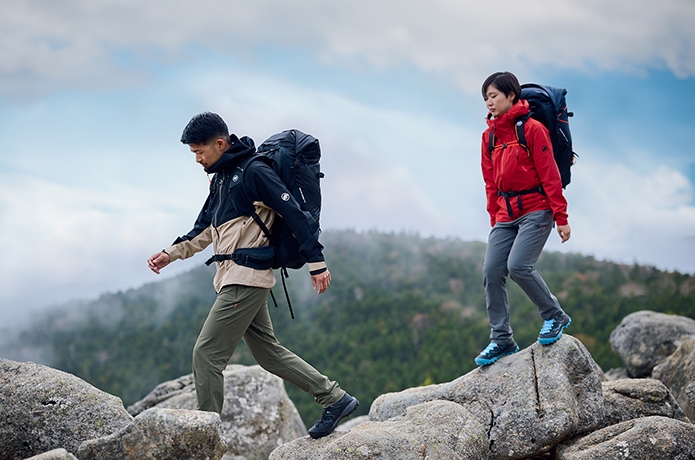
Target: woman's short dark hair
[506,82]
[204,128]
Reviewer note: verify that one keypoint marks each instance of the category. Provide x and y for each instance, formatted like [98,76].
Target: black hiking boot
[332,415]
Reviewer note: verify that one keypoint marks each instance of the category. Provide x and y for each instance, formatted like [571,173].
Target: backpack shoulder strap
[242,166]
[491,139]
[519,129]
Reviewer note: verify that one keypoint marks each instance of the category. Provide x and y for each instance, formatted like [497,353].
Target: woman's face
[497,103]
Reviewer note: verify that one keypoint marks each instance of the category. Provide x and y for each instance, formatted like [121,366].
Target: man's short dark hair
[204,128]
[506,82]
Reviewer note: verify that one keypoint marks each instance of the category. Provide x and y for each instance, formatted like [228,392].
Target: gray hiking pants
[513,249]
[242,311]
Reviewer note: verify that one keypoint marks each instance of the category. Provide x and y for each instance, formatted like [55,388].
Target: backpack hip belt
[512,194]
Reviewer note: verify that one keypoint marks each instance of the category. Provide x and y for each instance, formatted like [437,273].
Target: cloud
[84,44]
[627,215]
[63,240]
[80,228]
[385,168]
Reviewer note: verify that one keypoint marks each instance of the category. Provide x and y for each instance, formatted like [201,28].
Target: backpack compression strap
[520,137]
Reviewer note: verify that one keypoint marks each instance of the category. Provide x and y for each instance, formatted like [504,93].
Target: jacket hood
[519,109]
[237,151]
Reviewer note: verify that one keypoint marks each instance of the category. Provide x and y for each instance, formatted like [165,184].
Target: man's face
[207,154]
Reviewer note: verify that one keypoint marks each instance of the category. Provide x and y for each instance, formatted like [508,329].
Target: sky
[94,97]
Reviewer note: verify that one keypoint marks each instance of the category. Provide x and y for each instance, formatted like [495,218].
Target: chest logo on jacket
[235,178]
[285,196]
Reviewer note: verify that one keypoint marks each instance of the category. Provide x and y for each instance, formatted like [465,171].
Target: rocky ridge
[545,402]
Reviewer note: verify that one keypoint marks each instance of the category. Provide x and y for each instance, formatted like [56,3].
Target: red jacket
[510,168]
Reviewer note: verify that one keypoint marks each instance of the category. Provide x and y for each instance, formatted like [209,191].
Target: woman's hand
[564,231]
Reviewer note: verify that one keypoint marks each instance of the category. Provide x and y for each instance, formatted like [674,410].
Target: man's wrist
[316,268]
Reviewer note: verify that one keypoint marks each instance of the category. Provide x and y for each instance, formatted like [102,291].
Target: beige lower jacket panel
[241,232]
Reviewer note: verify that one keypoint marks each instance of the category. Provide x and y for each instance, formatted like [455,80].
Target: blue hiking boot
[495,351]
[552,329]
[331,416]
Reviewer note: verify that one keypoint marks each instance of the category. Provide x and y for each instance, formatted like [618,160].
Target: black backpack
[294,156]
[548,106]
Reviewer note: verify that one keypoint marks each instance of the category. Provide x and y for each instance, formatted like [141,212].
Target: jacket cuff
[172,252]
[561,221]
[317,267]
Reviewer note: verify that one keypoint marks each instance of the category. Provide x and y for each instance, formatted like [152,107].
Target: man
[240,310]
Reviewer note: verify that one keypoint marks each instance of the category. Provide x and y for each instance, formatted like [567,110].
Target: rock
[616,373]
[55,454]
[229,456]
[257,415]
[629,399]
[437,430]
[163,434]
[690,393]
[162,392]
[646,338]
[678,373]
[45,409]
[653,438]
[352,423]
[527,402]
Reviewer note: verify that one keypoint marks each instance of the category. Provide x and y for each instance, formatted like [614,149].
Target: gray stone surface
[616,373]
[181,386]
[648,438]
[352,422]
[257,415]
[55,454]
[437,430]
[678,373]
[528,402]
[162,434]
[629,399]
[645,338]
[45,409]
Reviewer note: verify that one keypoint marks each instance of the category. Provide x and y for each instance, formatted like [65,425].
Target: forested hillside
[402,311]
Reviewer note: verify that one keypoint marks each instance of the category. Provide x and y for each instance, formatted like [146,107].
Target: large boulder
[678,373]
[437,430]
[45,409]
[257,415]
[629,399]
[645,338]
[163,434]
[527,402]
[55,454]
[653,438]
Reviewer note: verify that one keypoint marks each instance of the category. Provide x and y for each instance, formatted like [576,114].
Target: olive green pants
[242,312]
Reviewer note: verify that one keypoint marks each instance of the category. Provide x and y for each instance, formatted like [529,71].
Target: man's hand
[321,281]
[564,231]
[158,261]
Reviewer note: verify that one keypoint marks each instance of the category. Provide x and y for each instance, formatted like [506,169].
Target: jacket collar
[507,120]
[237,151]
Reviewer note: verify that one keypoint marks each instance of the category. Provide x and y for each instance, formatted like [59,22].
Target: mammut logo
[285,196]
[235,178]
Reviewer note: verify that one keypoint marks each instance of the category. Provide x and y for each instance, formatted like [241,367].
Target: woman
[525,201]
